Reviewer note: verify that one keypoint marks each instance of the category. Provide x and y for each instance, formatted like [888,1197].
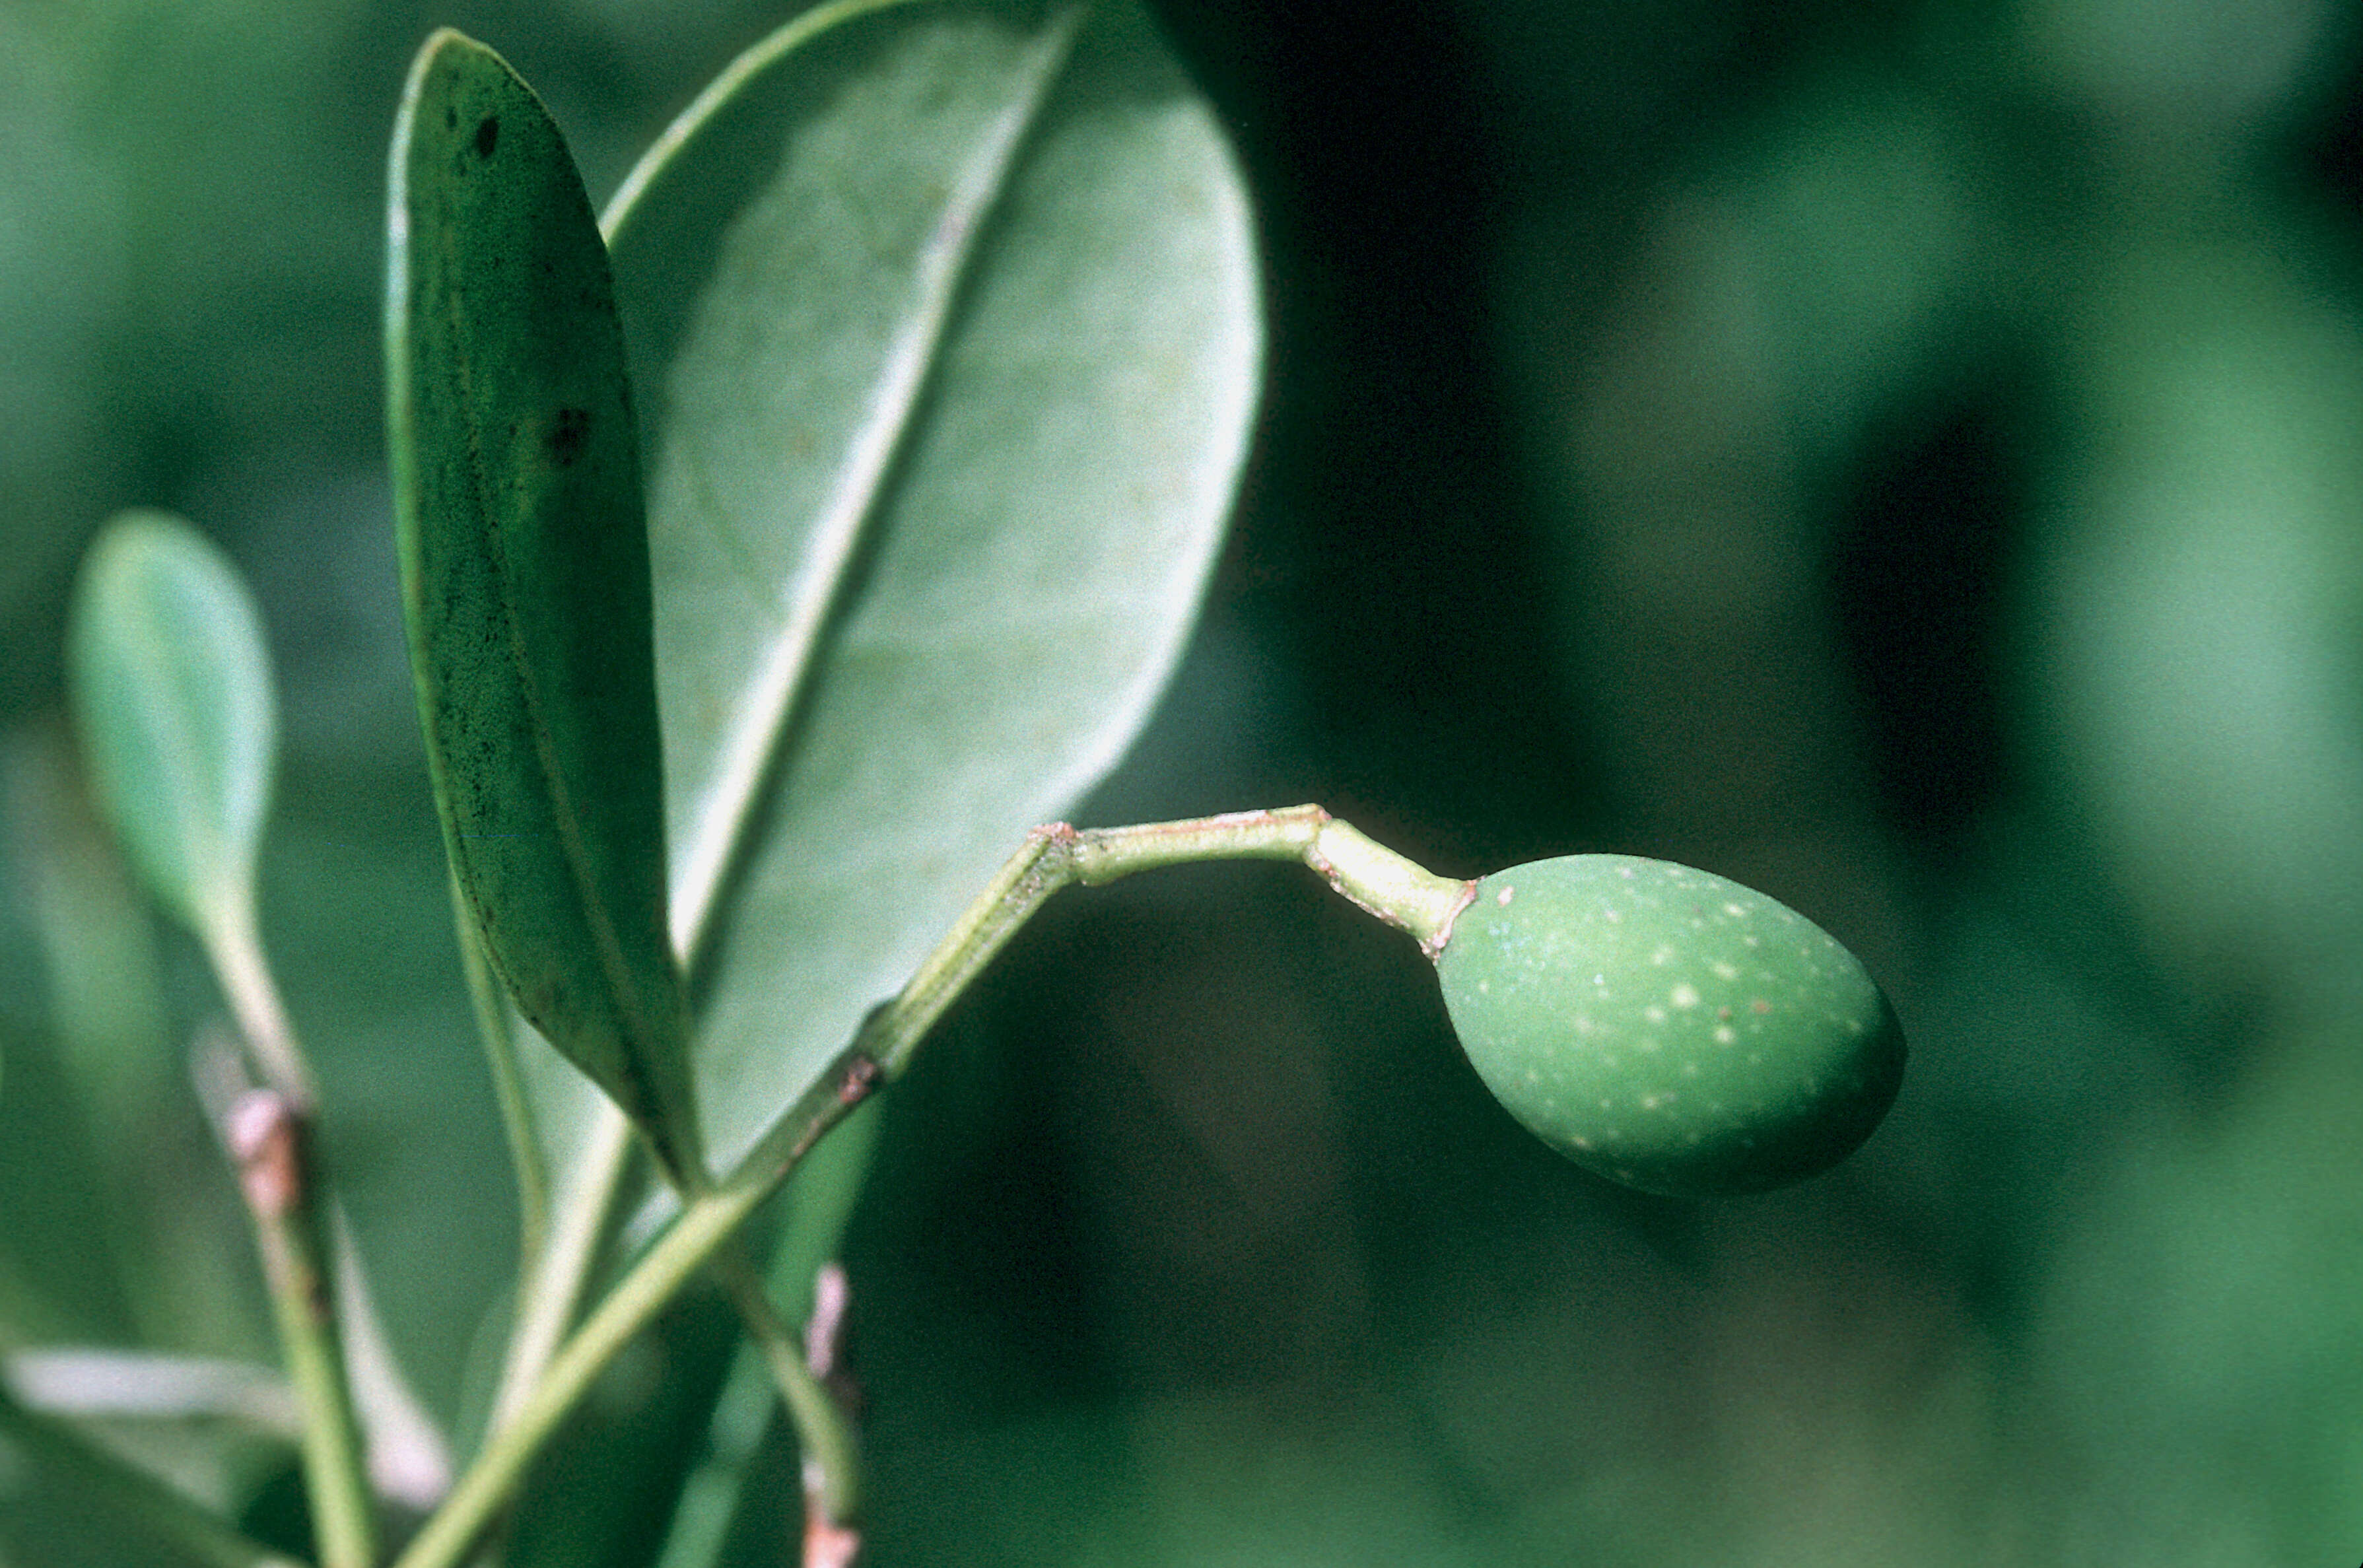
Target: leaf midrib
[717,839]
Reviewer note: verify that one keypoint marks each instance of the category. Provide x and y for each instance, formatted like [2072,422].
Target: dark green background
[1903,458]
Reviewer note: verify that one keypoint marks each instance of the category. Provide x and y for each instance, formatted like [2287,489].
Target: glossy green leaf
[172,697]
[524,575]
[948,331]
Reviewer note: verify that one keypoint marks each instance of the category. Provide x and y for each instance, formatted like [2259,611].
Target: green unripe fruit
[1667,1028]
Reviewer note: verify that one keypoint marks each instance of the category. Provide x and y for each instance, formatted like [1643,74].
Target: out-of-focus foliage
[1900,459]
[173,701]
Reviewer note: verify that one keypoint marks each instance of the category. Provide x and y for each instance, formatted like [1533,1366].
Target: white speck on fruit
[1612,915]
[1689,1069]
[1651,1043]
[1651,1102]
[1503,897]
[1685,995]
[1724,1034]
[1655,1014]
[1662,957]
[1734,910]
[1725,970]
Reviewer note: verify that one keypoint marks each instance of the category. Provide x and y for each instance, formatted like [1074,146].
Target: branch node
[265,1136]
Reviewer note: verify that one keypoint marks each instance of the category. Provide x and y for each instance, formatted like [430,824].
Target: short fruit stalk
[1664,1026]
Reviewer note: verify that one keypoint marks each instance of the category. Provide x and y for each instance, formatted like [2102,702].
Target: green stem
[267,1136]
[131,1493]
[556,1274]
[271,1137]
[233,945]
[1375,878]
[832,1459]
[492,1009]
[705,1223]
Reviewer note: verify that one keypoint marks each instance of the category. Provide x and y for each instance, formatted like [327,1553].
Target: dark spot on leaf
[450,118]
[488,135]
[572,434]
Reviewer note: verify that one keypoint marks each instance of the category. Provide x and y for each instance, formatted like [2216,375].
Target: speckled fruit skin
[1667,1027]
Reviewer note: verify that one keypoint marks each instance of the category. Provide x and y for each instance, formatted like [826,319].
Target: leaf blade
[173,704]
[724,766]
[525,577]
[992,641]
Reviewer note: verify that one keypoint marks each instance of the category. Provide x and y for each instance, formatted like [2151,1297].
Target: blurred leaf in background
[191,257]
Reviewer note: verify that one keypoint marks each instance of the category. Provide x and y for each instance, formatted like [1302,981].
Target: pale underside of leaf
[940,457]
[173,699]
[102,1381]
